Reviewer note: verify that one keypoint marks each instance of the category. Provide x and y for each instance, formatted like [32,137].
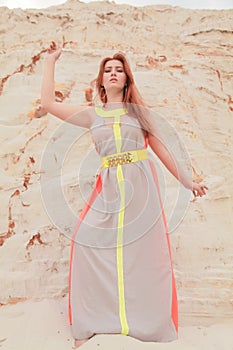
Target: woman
[121,277]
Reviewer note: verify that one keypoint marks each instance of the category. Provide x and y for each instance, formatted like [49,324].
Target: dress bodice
[105,134]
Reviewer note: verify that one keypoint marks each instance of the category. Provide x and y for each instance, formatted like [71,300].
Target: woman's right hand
[54,50]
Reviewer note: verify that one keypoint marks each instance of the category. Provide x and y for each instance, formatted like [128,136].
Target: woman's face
[114,76]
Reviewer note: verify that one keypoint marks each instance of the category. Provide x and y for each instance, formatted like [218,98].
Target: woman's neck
[113,105]
[114,96]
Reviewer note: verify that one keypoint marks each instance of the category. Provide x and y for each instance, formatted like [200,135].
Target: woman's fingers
[55,49]
[203,189]
[53,46]
[199,190]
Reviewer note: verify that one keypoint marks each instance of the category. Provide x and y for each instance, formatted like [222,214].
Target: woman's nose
[113,72]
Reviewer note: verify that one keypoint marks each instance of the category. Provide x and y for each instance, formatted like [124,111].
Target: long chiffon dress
[121,277]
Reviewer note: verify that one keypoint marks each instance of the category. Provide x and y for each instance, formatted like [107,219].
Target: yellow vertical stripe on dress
[120,231]
[117,133]
[120,179]
[120,266]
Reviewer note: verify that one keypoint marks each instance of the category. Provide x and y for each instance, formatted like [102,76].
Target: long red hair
[131,96]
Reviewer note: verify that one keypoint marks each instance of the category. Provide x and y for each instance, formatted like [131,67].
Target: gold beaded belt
[124,158]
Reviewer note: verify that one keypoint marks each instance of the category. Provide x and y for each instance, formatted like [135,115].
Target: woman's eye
[120,70]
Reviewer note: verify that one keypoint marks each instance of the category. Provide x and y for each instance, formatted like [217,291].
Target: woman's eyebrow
[114,66]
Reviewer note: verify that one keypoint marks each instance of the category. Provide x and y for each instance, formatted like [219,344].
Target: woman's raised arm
[66,112]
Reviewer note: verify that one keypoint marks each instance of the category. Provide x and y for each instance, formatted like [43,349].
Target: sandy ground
[44,325]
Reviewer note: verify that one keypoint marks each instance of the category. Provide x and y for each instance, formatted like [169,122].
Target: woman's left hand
[199,189]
